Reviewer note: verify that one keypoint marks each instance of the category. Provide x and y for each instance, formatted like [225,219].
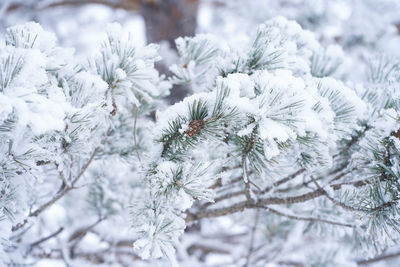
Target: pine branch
[168,143]
[251,144]
[354,140]
[249,205]
[217,212]
[379,258]
[384,206]
[263,203]
[290,200]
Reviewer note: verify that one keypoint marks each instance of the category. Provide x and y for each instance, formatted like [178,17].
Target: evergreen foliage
[269,138]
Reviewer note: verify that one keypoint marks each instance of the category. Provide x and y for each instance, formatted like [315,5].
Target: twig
[250,144]
[340,204]
[61,173]
[44,239]
[358,183]
[86,166]
[61,192]
[80,233]
[283,180]
[384,205]
[353,141]
[379,258]
[66,189]
[253,231]
[224,197]
[21,233]
[240,206]
[168,143]
[134,136]
[309,219]
[206,249]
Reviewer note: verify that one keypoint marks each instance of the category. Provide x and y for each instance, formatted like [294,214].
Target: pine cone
[195,127]
[397,134]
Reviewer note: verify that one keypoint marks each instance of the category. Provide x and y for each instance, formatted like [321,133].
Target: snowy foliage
[272,151]
[56,116]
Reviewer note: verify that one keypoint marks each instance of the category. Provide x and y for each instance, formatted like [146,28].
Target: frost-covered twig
[240,206]
[64,191]
[44,239]
[309,219]
[252,237]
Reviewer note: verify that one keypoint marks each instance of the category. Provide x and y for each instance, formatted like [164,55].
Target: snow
[61,104]
[51,263]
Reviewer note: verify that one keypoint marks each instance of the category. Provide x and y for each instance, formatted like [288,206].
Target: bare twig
[309,219]
[240,206]
[338,203]
[66,189]
[206,249]
[283,180]
[224,197]
[61,192]
[44,239]
[61,173]
[253,231]
[80,233]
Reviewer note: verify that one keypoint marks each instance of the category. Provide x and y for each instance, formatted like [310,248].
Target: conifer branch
[240,206]
[383,257]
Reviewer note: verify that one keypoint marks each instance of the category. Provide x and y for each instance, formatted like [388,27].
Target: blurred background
[363,28]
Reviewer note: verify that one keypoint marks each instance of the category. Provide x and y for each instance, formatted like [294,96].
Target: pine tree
[271,153]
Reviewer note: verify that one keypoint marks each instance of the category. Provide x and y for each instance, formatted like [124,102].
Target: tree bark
[165,20]
[169,19]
